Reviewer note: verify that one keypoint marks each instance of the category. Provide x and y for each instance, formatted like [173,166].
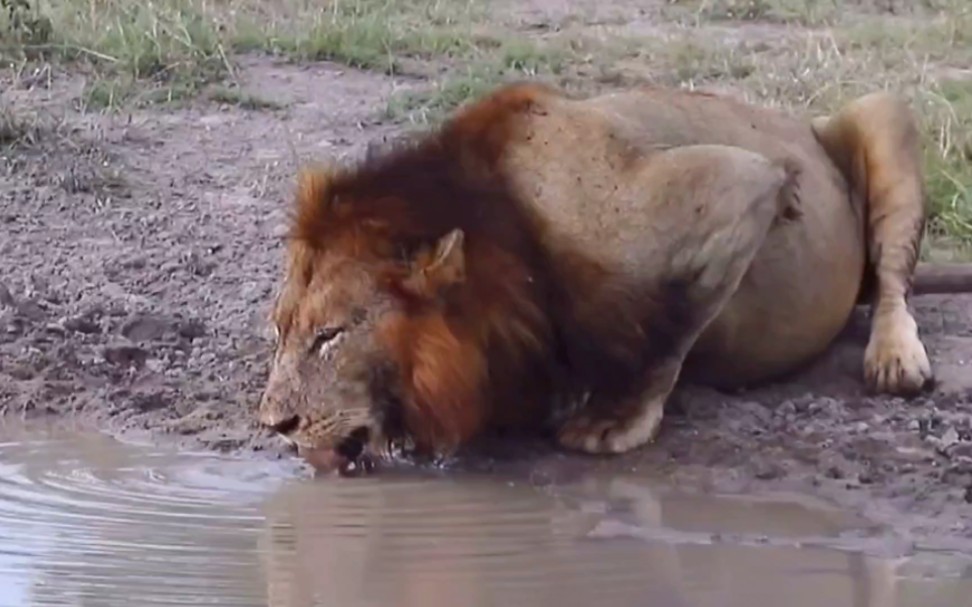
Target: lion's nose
[281,425]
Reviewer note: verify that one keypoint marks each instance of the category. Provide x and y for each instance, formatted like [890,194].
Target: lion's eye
[325,336]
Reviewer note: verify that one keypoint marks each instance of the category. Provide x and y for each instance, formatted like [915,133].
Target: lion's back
[575,156]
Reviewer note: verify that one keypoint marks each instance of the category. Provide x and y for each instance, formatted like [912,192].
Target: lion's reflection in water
[482,541]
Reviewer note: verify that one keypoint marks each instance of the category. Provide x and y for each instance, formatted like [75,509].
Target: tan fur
[612,246]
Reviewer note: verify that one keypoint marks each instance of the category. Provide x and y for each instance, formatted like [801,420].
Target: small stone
[135,263]
[192,329]
[54,329]
[31,311]
[914,425]
[757,410]
[767,471]
[6,298]
[950,437]
[786,409]
[125,355]
[146,328]
[150,401]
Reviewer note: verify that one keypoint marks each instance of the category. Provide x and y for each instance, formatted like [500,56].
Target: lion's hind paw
[895,360]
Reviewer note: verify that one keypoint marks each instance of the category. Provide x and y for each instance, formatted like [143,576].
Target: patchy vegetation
[804,55]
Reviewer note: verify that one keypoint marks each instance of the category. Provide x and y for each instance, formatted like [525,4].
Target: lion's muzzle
[348,456]
[328,461]
[280,424]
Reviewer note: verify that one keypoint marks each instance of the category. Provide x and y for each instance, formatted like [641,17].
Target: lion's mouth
[359,453]
[352,456]
[329,461]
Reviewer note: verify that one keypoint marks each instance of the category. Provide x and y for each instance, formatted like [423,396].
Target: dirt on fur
[140,252]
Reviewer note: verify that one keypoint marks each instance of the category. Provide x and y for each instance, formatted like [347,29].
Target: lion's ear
[432,274]
[314,204]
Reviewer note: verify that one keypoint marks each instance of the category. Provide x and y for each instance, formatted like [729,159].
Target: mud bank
[139,253]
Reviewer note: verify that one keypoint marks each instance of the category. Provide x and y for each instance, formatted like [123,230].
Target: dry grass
[240,98]
[15,128]
[805,55]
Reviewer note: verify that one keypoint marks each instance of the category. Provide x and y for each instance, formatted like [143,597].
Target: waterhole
[87,520]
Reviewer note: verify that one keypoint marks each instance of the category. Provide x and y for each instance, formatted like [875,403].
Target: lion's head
[386,322]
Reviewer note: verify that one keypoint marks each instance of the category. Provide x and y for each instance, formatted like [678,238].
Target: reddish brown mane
[497,350]
[492,342]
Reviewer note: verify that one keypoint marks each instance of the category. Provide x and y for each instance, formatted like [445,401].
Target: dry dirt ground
[139,252]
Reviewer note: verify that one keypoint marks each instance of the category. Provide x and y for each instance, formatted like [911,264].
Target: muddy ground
[139,253]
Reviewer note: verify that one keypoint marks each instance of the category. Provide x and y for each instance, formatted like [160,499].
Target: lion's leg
[719,205]
[874,139]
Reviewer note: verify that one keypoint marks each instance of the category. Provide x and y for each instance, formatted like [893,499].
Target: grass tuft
[240,98]
[948,159]
[368,34]
[15,128]
[139,52]
[507,60]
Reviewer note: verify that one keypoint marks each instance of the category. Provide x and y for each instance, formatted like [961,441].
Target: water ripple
[85,516]
[85,520]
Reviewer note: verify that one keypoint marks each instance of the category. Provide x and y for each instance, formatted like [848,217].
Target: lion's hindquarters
[710,208]
[875,140]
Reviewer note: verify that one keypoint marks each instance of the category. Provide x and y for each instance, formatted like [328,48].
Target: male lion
[542,262]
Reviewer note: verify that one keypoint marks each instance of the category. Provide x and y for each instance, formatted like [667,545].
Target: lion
[546,263]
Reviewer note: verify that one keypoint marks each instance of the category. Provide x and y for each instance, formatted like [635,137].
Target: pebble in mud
[768,470]
[146,327]
[125,355]
[81,324]
[6,298]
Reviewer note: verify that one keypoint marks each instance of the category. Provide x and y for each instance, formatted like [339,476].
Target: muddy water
[86,520]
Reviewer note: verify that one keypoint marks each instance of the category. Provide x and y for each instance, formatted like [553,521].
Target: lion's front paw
[600,434]
[895,361]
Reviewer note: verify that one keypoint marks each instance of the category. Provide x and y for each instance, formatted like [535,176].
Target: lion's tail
[937,278]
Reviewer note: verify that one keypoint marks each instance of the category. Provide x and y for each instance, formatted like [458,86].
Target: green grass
[134,51]
[169,50]
[811,13]
[511,59]
[799,12]
[240,98]
[948,161]
[368,34]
